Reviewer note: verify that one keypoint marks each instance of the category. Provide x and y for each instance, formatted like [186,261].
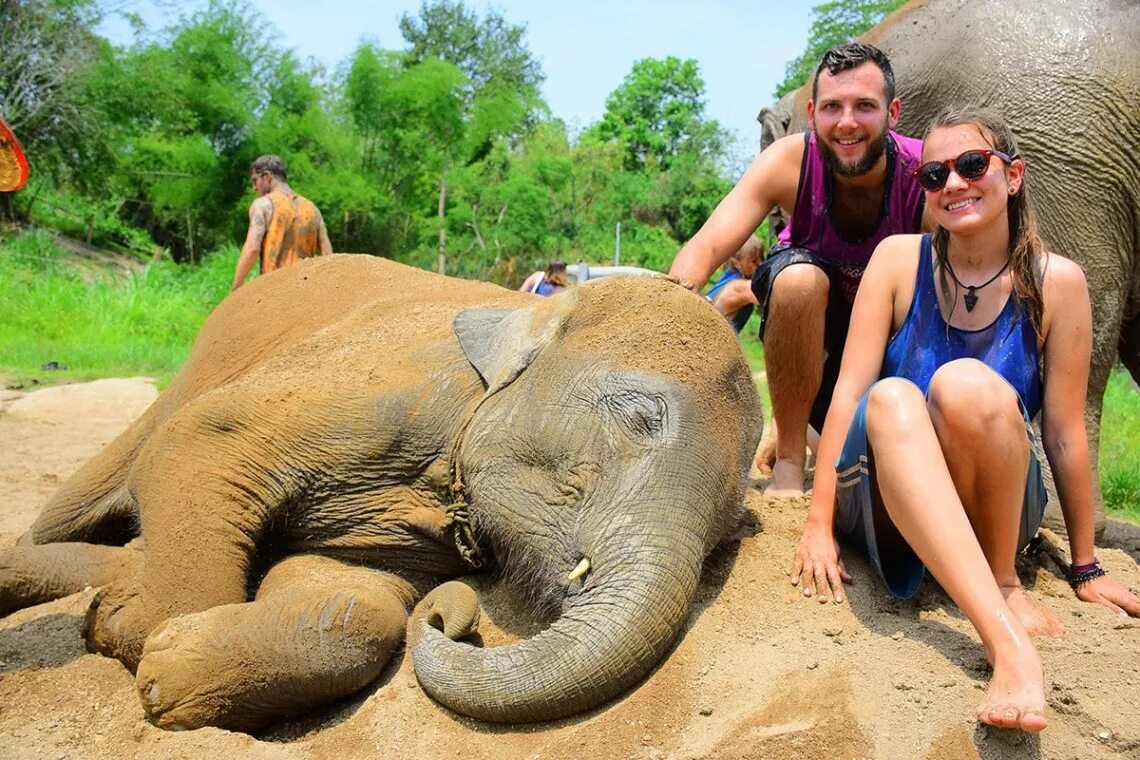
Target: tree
[489,51]
[833,23]
[185,106]
[501,88]
[47,53]
[654,111]
[673,155]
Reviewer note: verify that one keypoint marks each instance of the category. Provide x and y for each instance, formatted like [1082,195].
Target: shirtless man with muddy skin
[283,226]
[845,185]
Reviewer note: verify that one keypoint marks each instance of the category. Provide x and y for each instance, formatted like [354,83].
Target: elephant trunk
[607,638]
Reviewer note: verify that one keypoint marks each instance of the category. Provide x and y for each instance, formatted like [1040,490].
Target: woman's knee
[895,406]
[970,397]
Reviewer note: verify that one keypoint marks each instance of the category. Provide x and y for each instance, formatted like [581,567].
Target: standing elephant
[1065,75]
[348,433]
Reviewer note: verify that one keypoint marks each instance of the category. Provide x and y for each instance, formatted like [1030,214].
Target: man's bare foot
[1037,620]
[1015,697]
[787,479]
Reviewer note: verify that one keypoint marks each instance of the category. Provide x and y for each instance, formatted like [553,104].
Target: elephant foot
[117,626]
[244,666]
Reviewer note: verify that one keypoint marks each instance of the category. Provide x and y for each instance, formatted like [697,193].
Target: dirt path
[760,672]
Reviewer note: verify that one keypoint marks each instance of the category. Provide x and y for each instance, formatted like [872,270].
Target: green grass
[1120,447]
[111,324]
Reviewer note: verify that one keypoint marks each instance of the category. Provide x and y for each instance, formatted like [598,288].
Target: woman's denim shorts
[902,570]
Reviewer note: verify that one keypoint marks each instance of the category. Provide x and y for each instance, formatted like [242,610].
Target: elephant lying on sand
[1065,75]
[348,433]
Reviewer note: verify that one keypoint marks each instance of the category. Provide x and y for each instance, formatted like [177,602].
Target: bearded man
[845,184]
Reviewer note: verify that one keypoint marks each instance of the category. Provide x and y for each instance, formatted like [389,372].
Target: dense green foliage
[834,22]
[440,154]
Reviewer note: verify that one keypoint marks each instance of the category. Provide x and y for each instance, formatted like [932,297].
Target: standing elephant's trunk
[631,607]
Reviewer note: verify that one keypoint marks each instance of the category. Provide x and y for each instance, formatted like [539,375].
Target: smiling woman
[937,464]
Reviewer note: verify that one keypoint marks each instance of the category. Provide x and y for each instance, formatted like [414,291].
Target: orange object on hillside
[13,165]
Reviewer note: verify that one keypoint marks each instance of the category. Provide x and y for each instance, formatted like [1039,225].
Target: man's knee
[800,284]
[970,397]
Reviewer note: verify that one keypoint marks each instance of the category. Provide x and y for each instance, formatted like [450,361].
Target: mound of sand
[760,671]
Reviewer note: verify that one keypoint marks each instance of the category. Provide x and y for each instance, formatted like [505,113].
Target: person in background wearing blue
[554,279]
[731,294]
[957,340]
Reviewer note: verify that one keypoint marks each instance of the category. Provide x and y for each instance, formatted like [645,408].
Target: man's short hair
[269,164]
[853,54]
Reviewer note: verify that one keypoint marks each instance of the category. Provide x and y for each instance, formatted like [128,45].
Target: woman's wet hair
[1026,249]
[556,273]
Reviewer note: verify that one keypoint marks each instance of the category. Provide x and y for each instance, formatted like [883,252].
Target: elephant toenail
[152,695]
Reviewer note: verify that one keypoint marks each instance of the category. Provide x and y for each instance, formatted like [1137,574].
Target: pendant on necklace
[970,298]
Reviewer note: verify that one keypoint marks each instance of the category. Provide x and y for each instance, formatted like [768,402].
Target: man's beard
[876,147]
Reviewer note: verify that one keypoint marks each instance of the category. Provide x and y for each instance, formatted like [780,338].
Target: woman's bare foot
[1015,697]
[1037,620]
[787,479]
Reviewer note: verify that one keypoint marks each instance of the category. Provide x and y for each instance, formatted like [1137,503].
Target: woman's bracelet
[1079,574]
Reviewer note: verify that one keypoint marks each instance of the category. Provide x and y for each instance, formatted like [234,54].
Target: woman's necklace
[971,297]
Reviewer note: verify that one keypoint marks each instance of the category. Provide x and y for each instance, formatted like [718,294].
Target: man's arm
[325,243]
[771,180]
[259,214]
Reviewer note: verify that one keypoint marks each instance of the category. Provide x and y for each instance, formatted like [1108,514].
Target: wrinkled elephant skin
[348,434]
[1065,74]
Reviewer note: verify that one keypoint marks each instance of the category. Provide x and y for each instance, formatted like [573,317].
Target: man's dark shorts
[835,322]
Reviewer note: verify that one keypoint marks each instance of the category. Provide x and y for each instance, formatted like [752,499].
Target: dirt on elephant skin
[759,671]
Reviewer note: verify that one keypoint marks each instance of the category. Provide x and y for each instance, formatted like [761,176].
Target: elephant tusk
[582,568]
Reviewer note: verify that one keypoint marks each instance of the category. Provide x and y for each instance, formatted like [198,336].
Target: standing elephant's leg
[1129,347]
[318,630]
[36,574]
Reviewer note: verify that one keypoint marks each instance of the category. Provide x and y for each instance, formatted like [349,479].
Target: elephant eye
[642,415]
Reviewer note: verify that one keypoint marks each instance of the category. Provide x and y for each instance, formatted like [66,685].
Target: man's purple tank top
[810,226]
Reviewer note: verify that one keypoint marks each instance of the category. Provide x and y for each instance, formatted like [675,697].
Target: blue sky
[586,47]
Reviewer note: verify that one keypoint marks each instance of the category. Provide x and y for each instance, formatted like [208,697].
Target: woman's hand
[1106,591]
[817,566]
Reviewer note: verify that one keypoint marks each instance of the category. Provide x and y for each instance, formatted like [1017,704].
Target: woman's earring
[1012,190]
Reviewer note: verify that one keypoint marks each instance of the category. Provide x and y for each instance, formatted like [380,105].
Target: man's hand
[686,284]
[817,566]
[1105,591]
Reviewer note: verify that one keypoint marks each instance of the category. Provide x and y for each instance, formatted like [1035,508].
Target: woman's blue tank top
[925,342]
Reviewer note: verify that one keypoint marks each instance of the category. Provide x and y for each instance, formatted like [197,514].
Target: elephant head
[608,457]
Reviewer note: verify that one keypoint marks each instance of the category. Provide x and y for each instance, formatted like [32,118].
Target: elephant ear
[501,343]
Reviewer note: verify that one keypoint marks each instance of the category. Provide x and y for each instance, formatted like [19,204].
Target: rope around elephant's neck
[458,510]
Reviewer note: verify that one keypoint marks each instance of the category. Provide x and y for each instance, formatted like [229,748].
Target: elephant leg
[94,505]
[318,630]
[32,575]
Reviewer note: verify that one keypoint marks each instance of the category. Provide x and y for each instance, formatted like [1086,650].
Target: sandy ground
[760,672]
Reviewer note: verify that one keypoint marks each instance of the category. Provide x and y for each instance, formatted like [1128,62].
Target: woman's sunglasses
[970,165]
